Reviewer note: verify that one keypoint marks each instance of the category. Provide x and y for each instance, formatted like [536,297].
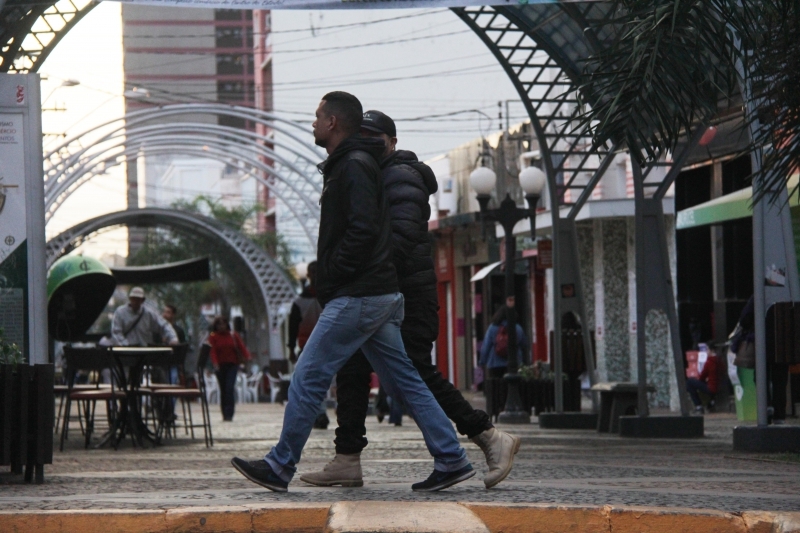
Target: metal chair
[163,397]
[91,359]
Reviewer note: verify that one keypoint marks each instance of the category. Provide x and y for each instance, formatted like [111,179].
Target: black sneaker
[441,480]
[261,473]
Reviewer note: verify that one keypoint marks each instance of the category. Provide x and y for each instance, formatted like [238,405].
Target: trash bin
[745,394]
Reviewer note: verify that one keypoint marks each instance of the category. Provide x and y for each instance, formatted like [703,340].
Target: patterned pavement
[553,466]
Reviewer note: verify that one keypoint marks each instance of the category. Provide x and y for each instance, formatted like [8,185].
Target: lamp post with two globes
[532,180]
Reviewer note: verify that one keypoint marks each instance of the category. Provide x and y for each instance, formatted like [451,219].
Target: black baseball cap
[379,122]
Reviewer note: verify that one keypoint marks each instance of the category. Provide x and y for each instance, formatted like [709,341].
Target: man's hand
[174,343]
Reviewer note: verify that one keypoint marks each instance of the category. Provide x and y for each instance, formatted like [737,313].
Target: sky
[425,68]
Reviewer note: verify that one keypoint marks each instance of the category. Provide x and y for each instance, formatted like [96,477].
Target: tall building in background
[178,55]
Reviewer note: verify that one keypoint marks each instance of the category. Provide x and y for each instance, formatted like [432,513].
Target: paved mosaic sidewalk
[553,466]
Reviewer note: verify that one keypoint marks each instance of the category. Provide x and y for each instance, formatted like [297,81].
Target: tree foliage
[228,285]
[671,65]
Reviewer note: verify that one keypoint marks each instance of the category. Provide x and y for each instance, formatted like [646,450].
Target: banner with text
[338,4]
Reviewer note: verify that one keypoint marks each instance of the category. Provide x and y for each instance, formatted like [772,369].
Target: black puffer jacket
[409,183]
[354,251]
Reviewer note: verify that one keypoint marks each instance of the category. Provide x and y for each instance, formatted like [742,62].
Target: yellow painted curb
[315,517]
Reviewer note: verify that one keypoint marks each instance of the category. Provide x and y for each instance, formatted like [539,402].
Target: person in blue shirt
[495,364]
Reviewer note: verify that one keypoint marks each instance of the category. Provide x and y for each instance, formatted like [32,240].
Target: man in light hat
[137,325]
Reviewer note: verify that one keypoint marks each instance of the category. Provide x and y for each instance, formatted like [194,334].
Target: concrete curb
[319,517]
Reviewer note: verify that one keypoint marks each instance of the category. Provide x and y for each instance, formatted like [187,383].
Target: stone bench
[617,398]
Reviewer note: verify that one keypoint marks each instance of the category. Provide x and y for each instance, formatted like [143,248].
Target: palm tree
[672,65]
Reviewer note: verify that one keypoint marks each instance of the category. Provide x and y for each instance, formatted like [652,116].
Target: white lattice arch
[277,290]
[283,160]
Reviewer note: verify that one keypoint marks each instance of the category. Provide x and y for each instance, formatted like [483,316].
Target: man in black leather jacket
[357,285]
[408,183]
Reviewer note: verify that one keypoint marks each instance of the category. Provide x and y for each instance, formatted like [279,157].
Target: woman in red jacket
[227,352]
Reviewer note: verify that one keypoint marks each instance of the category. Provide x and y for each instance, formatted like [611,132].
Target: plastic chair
[274,387]
[252,386]
[212,385]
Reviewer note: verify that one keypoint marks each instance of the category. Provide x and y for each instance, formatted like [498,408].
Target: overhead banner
[337,4]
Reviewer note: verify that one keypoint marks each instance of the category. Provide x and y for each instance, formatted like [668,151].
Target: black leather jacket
[409,184]
[354,251]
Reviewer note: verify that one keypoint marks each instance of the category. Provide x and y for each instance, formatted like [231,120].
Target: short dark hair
[346,108]
[219,319]
[172,308]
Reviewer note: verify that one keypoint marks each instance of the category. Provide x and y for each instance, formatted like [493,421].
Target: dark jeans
[419,330]
[226,375]
[694,385]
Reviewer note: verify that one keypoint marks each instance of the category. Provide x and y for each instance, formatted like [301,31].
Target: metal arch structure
[275,288]
[29,31]
[542,48]
[228,145]
[291,173]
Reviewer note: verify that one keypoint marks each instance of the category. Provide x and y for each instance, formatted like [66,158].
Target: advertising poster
[13,250]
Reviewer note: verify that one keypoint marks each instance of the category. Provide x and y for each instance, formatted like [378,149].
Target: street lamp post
[507,215]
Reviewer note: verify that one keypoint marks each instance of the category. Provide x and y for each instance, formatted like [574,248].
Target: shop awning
[732,206]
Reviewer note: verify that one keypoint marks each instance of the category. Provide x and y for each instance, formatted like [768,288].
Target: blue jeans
[371,323]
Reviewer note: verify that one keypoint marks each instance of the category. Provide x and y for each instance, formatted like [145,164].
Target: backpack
[501,342]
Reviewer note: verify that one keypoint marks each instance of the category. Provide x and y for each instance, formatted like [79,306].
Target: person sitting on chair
[707,383]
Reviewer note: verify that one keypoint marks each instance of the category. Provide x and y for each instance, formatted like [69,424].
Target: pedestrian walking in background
[494,350]
[227,353]
[135,324]
[170,314]
[408,184]
[362,308]
[302,319]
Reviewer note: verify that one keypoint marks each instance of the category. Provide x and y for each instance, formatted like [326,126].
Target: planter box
[537,395]
[27,409]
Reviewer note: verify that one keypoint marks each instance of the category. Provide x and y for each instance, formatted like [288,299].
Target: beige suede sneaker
[344,470]
[499,448]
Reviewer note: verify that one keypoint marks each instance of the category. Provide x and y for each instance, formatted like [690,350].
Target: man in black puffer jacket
[408,184]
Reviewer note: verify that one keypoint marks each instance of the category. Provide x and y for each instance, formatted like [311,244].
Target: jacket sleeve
[486,347]
[116,329]
[363,218]
[166,330]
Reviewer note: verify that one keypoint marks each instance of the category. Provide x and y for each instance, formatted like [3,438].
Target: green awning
[732,206]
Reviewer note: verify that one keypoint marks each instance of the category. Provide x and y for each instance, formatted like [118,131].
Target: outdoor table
[130,362]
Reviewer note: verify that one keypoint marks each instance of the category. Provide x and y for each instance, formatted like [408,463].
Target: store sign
[22,277]
[336,4]
[545,253]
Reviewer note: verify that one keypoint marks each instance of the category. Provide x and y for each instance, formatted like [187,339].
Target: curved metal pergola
[282,161]
[275,288]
